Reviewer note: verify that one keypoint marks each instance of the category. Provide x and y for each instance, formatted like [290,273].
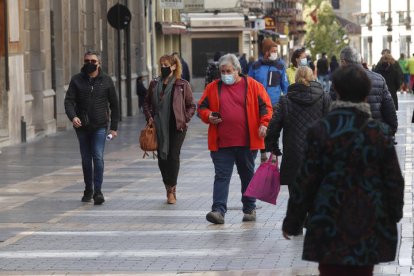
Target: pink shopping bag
[265,184]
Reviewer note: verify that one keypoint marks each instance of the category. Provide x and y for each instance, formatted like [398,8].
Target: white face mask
[303,62]
[273,56]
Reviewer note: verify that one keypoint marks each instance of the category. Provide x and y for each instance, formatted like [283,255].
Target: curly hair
[296,54]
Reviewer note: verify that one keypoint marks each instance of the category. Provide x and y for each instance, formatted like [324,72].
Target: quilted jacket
[349,188]
[379,98]
[295,113]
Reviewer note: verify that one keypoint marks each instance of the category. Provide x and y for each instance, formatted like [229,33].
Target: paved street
[46,230]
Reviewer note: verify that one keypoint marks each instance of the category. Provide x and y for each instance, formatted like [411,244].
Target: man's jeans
[224,160]
[324,80]
[92,145]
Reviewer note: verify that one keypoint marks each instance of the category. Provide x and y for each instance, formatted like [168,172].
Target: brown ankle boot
[171,194]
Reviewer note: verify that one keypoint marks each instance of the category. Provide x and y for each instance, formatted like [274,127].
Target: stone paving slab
[46,230]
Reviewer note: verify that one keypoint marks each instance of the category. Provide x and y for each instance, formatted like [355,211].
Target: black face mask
[89,68]
[165,72]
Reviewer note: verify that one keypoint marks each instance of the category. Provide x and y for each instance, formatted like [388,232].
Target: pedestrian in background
[296,111]
[271,72]
[350,188]
[402,62]
[298,59]
[410,69]
[141,92]
[333,65]
[238,110]
[170,105]
[386,68]
[185,74]
[379,98]
[86,105]
[250,63]
[322,71]
[243,64]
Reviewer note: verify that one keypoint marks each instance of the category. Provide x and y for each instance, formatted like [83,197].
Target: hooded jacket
[295,113]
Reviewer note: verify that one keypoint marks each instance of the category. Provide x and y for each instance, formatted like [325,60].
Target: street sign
[259,24]
[119,16]
[269,23]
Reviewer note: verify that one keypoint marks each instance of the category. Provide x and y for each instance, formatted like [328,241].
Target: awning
[220,30]
[171,28]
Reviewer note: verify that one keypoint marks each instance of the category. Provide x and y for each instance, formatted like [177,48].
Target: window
[401,18]
[383,21]
[335,4]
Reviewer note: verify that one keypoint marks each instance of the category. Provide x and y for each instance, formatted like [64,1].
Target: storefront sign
[172,4]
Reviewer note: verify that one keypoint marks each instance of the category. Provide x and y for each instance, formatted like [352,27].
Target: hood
[305,95]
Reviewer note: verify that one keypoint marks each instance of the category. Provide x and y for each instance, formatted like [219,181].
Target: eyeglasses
[93,61]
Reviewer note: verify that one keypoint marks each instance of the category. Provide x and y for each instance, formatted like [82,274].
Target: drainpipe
[6,46]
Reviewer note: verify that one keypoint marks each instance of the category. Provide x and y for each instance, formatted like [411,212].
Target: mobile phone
[216,114]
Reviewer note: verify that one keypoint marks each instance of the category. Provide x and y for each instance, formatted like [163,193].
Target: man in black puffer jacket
[379,98]
[86,105]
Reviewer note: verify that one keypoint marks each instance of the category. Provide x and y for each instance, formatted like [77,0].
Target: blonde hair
[173,60]
[304,75]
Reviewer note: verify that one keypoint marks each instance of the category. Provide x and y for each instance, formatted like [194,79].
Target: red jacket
[258,108]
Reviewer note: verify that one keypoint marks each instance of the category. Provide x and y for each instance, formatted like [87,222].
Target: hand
[262,131]
[76,122]
[150,120]
[286,235]
[114,133]
[213,119]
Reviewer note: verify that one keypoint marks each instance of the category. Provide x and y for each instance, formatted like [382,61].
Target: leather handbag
[148,140]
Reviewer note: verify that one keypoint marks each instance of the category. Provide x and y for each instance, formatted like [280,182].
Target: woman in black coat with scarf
[304,103]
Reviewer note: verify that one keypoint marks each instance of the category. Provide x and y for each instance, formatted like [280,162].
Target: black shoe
[87,196]
[98,198]
[250,216]
[215,217]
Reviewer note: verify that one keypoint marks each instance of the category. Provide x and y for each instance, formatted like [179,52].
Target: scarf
[162,103]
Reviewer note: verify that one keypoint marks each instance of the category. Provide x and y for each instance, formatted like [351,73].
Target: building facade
[386,25]
[42,43]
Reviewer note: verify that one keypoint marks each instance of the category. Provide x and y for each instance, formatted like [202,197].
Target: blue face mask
[228,79]
[303,62]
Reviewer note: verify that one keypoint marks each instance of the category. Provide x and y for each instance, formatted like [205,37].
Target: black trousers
[170,167]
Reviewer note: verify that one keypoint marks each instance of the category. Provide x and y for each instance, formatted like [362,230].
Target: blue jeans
[92,146]
[324,80]
[224,160]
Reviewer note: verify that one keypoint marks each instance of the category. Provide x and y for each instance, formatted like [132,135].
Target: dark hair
[351,83]
[296,54]
[91,52]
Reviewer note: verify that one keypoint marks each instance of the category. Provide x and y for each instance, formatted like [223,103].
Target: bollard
[23,129]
